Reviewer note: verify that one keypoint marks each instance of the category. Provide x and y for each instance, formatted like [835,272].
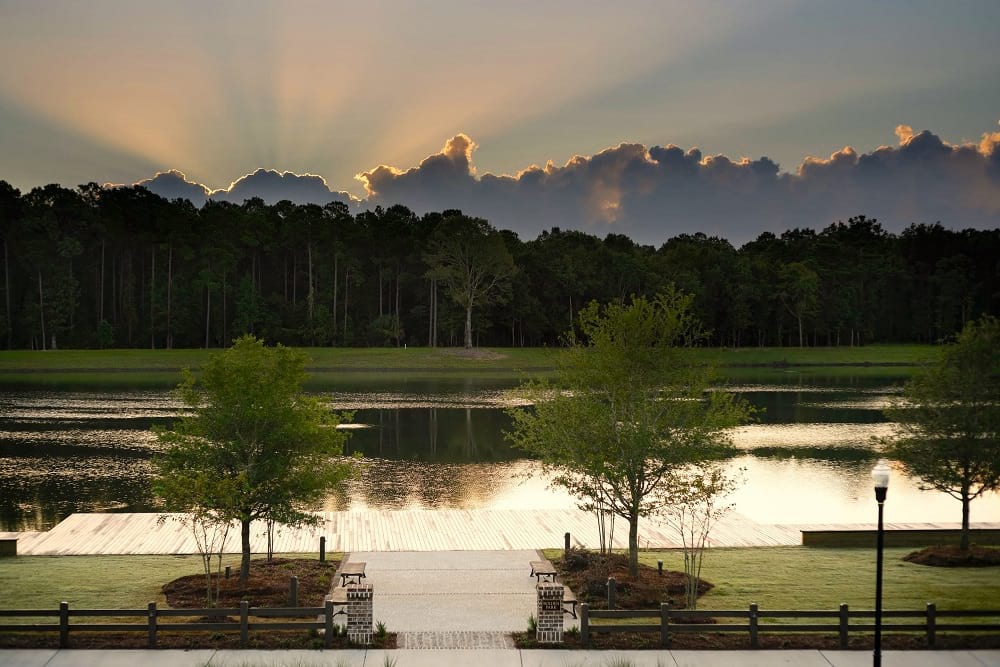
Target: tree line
[96,267]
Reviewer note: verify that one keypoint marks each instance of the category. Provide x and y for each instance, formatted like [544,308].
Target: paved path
[451,599]
[492,658]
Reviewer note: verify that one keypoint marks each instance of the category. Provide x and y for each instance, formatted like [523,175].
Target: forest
[98,267]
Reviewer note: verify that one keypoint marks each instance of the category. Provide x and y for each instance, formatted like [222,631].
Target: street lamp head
[880,475]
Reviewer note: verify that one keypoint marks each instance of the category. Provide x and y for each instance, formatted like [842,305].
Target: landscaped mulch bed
[952,556]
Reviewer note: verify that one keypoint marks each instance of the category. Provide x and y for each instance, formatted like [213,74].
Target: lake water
[437,442]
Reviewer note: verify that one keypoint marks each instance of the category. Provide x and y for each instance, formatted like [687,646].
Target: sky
[643,118]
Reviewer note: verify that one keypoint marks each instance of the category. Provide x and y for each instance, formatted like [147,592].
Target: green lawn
[774,578]
[802,578]
[99,582]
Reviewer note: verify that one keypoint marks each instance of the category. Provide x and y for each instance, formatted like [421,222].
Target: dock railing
[669,621]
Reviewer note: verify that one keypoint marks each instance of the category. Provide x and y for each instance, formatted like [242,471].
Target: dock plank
[406,530]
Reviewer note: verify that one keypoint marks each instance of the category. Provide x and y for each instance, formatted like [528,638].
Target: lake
[436,441]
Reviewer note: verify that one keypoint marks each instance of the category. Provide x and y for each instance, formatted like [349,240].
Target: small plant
[388,662]
[532,624]
[573,631]
[380,630]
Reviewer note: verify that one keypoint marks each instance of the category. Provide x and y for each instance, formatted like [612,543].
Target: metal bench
[569,598]
[352,570]
[542,570]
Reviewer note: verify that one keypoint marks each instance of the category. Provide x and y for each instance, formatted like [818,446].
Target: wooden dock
[399,530]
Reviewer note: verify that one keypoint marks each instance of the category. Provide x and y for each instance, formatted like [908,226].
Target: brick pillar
[359,613]
[550,613]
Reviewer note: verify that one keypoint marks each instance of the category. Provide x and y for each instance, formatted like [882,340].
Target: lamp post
[880,475]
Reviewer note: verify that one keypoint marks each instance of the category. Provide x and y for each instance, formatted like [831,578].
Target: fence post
[664,624]
[931,624]
[585,624]
[328,624]
[612,592]
[322,549]
[844,620]
[151,619]
[754,639]
[293,591]
[63,624]
[244,624]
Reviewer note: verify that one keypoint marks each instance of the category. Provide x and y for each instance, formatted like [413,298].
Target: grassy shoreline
[159,369]
[448,359]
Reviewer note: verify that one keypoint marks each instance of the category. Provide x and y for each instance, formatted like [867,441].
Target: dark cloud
[273,186]
[174,184]
[654,193]
[269,185]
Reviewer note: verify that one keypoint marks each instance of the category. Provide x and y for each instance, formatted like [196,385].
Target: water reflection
[437,443]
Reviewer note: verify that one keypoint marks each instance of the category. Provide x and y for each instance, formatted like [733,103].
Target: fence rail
[322,621]
[680,620]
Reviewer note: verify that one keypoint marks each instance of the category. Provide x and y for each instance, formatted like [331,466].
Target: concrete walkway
[492,658]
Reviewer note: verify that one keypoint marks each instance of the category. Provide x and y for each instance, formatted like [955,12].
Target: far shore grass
[797,578]
[130,369]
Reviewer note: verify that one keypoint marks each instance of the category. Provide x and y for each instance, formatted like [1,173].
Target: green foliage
[532,624]
[472,261]
[628,409]
[380,630]
[950,420]
[253,446]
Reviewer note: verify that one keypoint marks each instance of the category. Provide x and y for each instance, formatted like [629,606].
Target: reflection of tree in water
[430,457]
[402,484]
[442,435]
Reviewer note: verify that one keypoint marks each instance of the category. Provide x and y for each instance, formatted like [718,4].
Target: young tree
[696,494]
[629,408]
[471,259]
[253,445]
[949,420]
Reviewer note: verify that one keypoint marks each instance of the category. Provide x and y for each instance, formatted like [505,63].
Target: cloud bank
[654,193]
[271,186]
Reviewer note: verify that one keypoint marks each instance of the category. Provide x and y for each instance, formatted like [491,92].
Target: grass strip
[510,359]
[100,582]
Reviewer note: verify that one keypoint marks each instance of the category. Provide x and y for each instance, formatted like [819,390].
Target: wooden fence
[154,624]
[838,621]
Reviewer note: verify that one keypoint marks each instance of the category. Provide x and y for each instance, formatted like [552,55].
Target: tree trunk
[6,285]
[152,289]
[311,297]
[799,318]
[41,307]
[335,294]
[964,544]
[208,313]
[170,282]
[468,326]
[100,316]
[347,289]
[245,545]
[633,544]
